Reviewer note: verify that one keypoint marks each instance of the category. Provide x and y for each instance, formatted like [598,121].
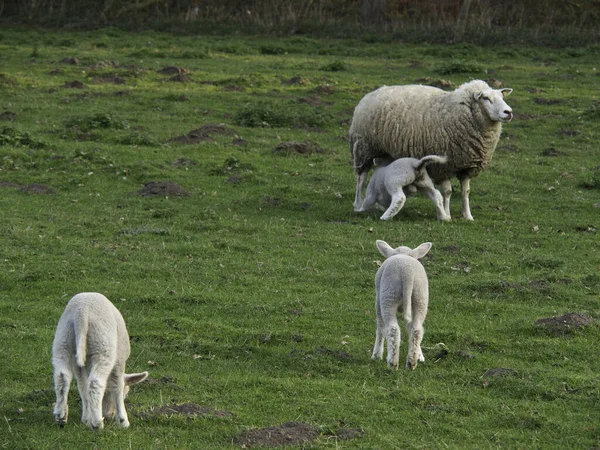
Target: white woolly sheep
[92,343]
[390,179]
[414,121]
[401,284]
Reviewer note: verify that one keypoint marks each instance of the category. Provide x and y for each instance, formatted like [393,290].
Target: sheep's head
[492,102]
[416,253]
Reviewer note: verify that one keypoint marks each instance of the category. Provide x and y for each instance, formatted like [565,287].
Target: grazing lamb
[401,284]
[390,178]
[91,342]
[414,121]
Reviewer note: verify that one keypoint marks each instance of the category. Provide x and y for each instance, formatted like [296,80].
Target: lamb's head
[108,401]
[493,104]
[417,253]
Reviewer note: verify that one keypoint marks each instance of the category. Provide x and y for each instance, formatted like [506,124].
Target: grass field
[247,286]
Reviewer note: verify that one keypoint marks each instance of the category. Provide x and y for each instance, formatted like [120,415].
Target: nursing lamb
[415,121]
[92,343]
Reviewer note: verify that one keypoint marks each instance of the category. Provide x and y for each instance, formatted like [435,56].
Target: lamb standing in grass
[401,284]
[415,121]
[92,343]
[390,178]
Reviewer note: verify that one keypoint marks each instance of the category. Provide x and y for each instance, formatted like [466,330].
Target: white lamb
[401,284]
[415,121]
[391,178]
[92,343]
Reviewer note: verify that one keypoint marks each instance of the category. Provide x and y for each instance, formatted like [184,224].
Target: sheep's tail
[431,159]
[81,331]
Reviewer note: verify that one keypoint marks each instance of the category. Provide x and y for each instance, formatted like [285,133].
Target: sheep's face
[492,102]
[386,250]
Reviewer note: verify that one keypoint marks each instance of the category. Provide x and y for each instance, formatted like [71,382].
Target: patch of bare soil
[8,184]
[552,152]
[291,433]
[109,79]
[188,409]
[298,80]
[8,115]
[324,90]
[303,148]
[73,61]
[36,188]
[162,189]
[75,84]
[181,78]
[499,372]
[173,70]
[547,101]
[438,83]
[183,162]
[204,133]
[566,323]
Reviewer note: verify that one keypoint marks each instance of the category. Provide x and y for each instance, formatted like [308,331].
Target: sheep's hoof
[60,421]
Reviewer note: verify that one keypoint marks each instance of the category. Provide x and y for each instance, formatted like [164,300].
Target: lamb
[92,343]
[390,179]
[414,121]
[401,283]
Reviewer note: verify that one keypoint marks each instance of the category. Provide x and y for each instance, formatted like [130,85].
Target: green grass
[254,293]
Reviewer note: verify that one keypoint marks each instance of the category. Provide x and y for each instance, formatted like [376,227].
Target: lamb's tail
[431,159]
[81,331]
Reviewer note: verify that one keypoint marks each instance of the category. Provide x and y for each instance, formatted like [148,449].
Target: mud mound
[291,433]
[173,70]
[8,115]
[303,148]
[35,188]
[204,133]
[71,61]
[75,84]
[565,324]
[162,189]
[188,409]
[109,79]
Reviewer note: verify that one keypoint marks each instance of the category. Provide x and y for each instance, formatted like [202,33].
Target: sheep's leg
[380,334]
[415,354]
[398,199]
[62,384]
[446,188]
[465,190]
[392,332]
[368,201]
[434,195]
[358,197]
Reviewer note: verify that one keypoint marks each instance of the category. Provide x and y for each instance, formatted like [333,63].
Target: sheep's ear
[135,378]
[384,248]
[376,161]
[477,95]
[421,250]
[506,92]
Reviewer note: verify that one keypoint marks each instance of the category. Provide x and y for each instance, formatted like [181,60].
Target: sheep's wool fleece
[415,121]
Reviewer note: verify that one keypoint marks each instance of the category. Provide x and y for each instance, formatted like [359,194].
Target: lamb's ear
[135,378]
[421,250]
[384,248]
[477,95]
[506,92]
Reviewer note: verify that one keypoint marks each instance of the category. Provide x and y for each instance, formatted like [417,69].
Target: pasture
[204,185]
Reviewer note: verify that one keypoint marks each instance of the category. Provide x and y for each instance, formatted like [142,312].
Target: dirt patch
[8,115]
[298,80]
[36,188]
[344,434]
[499,372]
[173,70]
[570,133]
[303,148]
[109,79]
[324,90]
[183,162]
[340,354]
[75,84]
[566,323]
[71,61]
[438,83]
[9,184]
[162,189]
[552,152]
[547,101]
[451,248]
[291,433]
[181,78]
[188,409]
[204,133]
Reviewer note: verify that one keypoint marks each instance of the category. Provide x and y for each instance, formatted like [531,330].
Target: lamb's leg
[368,201]
[379,335]
[434,195]
[398,199]
[465,190]
[62,384]
[119,399]
[96,386]
[81,375]
[446,188]
[415,332]
[392,331]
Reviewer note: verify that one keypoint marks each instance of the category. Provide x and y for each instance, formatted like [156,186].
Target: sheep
[401,283]
[415,120]
[92,343]
[390,179]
